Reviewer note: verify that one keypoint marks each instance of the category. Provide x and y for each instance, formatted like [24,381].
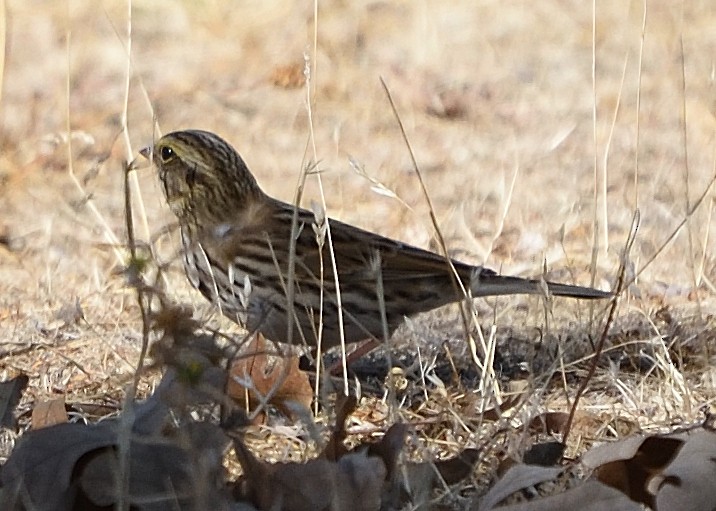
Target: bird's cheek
[173,192]
[190,177]
[169,185]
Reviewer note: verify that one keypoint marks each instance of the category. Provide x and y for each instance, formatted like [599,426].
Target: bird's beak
[146,152]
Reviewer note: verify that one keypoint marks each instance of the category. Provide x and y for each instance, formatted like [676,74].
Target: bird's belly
[224,289]
[260,304]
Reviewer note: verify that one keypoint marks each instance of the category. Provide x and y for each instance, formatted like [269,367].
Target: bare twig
[620,286]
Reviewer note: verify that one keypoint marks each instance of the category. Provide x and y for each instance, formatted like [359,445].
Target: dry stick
[289,285]
[433,218]
[306,168]
[498,231]
[125,128]
[605,173]
[595,217]
[457,283]
[336,276]
[607,147]
[676,230]
[310,100]
[685,140]
[638,106]
[106,230]
[605,161]
[310,97]
[279,381]
[486,348]
[610,320]
[125,430]
[702,277]
[134,266]
[595,234]
[142,88]
[129,170]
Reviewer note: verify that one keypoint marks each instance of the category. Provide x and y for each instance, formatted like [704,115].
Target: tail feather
[488,283]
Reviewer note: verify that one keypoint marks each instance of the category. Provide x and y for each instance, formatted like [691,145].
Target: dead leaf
[169,472]
[414,482]
[49,413]
[353,482]
[549,422]
[590,496]
[262,374]
[183,466]
[39,470]
[612,451]
[458,468]
[687,483]
[10,394]
[335,448]
[494,414]
[629,464]
[389,447]
[545,454]
[516,479]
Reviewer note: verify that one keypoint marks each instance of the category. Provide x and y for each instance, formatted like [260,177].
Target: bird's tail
[488,283]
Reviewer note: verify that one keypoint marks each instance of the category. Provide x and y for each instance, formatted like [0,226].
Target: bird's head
[204,178]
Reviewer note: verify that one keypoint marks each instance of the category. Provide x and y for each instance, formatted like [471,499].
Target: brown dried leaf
[49,413]
[612,451]
[269,374]
[495,414]
[549,422]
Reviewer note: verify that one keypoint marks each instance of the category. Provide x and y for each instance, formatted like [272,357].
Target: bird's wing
[260,242]
[266,233]
[359,254]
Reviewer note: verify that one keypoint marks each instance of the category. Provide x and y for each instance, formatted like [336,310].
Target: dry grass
[498,103]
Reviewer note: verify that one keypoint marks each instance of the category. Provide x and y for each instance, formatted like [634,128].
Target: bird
[240,246]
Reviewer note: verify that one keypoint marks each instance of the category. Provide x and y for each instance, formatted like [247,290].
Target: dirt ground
[539,130]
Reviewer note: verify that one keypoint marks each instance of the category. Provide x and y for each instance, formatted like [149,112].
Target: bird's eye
[166,154]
